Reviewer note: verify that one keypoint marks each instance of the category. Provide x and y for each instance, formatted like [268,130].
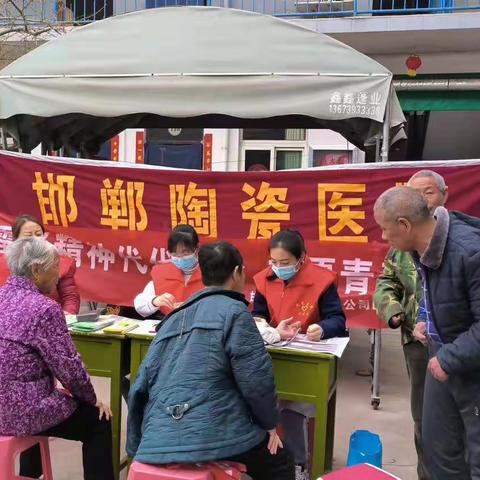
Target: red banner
[114,148]
[207,151]
[139,147]
[114,219]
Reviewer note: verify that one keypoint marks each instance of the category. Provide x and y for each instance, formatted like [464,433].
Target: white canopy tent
[193,67]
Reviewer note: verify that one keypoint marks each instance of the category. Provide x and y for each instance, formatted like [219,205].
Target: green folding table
[107,355]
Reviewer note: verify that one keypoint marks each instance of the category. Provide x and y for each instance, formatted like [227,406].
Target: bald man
[396,299]
[446,251]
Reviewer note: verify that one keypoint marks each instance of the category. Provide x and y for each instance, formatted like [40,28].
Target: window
[288,159]
[257,160]
[271,158]
[331,157]
[289,134]
[274,149]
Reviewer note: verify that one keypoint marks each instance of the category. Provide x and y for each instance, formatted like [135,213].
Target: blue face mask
[186,264]
[285,273]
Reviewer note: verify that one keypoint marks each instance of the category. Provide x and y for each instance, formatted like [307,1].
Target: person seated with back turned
[205,390]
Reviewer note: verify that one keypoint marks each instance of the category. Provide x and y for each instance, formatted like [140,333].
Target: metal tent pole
[377,334]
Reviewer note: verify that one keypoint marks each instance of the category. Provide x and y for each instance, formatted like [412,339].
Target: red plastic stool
[176,471]
[359,472]
[10,447]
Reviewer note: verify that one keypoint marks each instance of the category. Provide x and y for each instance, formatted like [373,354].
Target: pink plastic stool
[10,447]
[203,471]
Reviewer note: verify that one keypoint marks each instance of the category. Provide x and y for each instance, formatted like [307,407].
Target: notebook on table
[91,326]
[120,327]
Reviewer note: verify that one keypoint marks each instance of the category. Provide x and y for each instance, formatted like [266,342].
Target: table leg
[332,404]
[320,438]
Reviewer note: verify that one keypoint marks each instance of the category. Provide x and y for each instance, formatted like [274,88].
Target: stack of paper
[147,328]
[70,319]
[91,326]
[336,346]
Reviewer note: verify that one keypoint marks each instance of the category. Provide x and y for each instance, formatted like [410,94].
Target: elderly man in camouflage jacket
[396,300]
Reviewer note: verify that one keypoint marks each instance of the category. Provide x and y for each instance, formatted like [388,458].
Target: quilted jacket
[451,265]
[205,389]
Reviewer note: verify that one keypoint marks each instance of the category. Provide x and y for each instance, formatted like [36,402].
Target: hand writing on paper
[314,332]
[288,328]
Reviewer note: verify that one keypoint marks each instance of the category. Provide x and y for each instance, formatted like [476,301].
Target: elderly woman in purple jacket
[36,348]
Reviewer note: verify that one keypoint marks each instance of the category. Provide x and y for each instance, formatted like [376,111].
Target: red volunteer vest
[167,278]
[65,265]
[299,297]
[4,270]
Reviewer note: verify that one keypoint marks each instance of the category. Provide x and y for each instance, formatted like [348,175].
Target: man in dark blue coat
[446,251]
[205,390]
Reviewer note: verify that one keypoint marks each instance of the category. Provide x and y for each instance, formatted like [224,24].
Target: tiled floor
[392,421]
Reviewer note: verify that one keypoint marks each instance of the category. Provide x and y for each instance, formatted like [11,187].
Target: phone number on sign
[367,110]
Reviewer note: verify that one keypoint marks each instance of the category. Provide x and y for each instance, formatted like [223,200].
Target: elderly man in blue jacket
[205,390]
[446,251]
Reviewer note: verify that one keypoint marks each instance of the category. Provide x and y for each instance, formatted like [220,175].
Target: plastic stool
[176,471]
[365,447]
[10,447]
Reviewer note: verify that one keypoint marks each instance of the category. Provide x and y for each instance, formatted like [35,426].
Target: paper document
[336,346]
[70,319]
[147,327]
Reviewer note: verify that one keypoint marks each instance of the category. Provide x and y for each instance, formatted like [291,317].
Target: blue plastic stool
[365,447]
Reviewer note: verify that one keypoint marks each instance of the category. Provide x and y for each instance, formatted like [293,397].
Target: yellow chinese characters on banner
[339,212]
[56,198]
[265,209]
[194,206]
[122,207]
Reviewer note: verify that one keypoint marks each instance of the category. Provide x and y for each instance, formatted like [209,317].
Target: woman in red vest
[172,283]
[292,295]
[66,292]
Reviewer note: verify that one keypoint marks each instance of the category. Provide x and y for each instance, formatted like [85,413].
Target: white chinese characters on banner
[159,256]
[69,246]
[101,255]
[349,304]
[356,103]
[327,263]
[357,274]
[5,237]
[131,254]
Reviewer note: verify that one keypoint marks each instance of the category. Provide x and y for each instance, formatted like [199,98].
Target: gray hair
[439,180]
[403,202]
[24,253]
